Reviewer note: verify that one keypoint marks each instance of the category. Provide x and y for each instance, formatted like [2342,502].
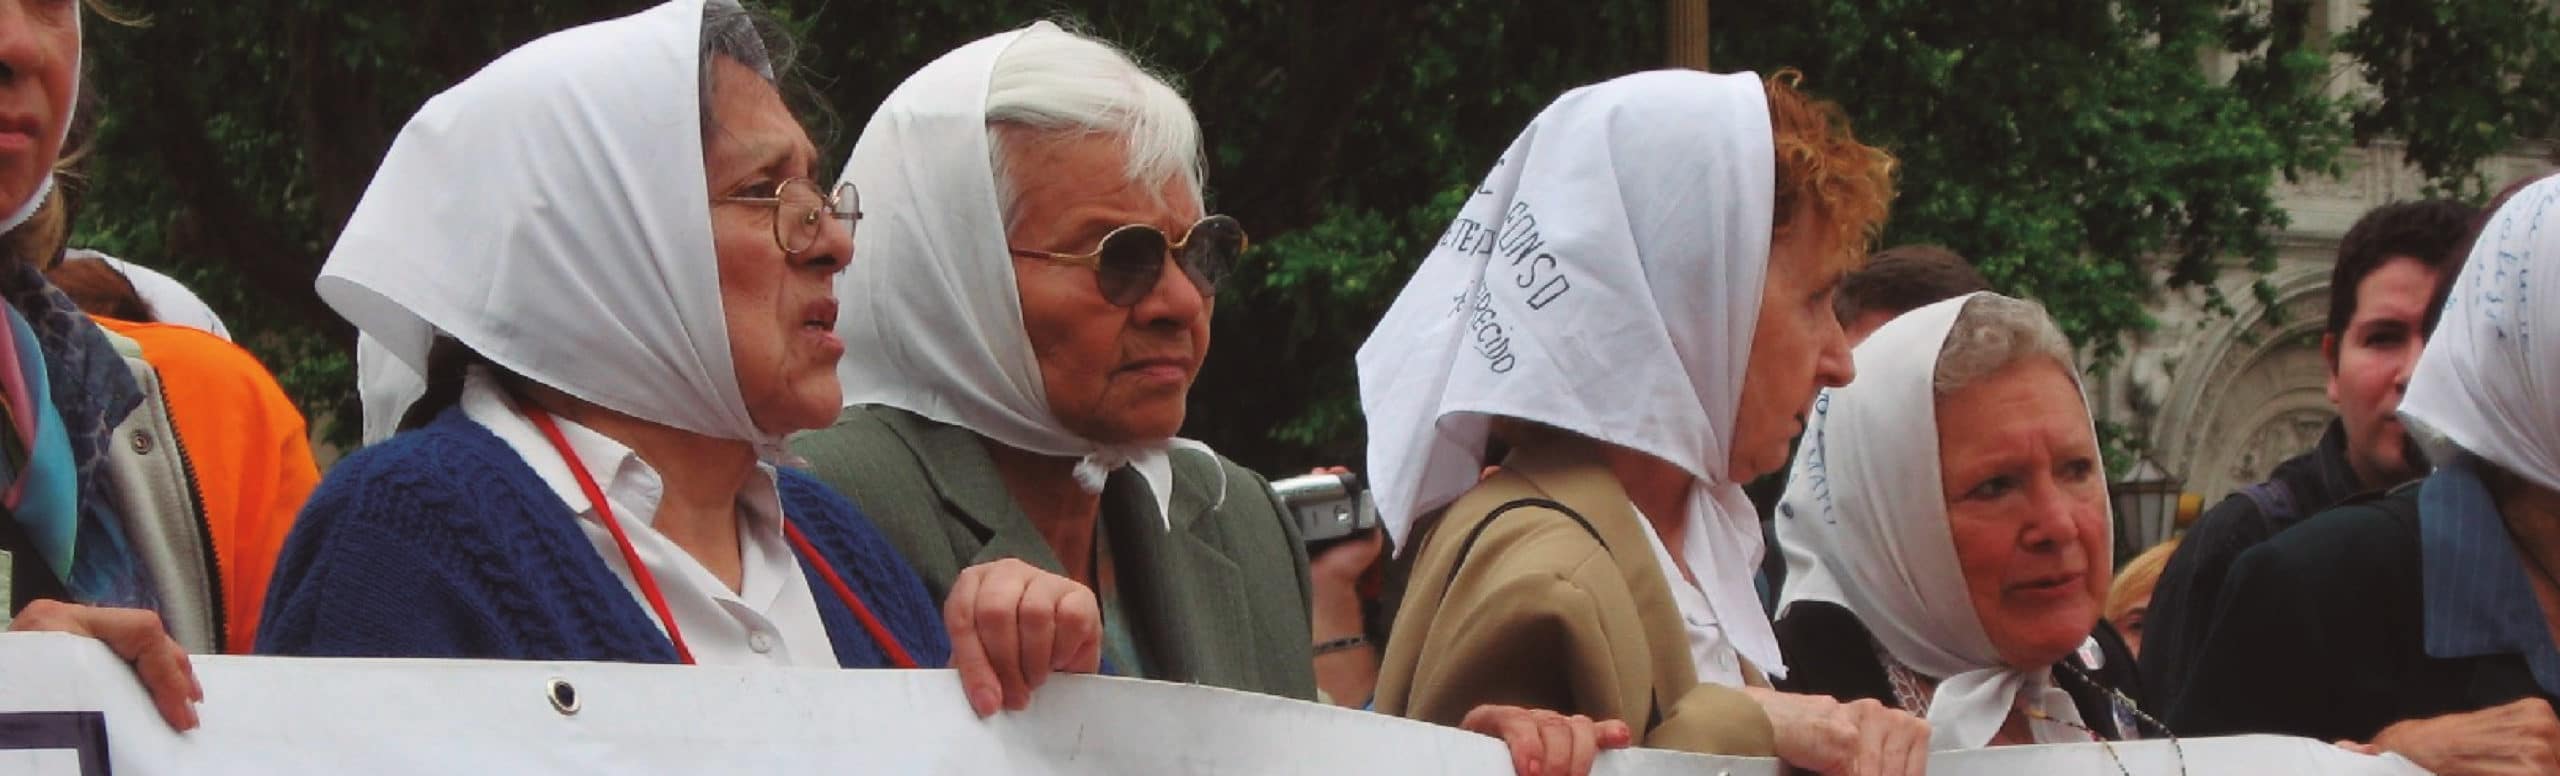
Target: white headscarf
[19,215]
[171,301]
[2483,384]
[933,320]
[550,212]
[1604,280]
[386,385]
[1864,525]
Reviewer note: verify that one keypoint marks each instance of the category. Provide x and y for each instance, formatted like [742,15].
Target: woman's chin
[2047,646]
[801,414]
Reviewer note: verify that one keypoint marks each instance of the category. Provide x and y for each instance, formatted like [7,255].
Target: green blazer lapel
[955,460]
[1184,594]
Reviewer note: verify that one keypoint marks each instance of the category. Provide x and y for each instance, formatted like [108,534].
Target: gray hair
[1993,332]
[751,38]
[1057,83]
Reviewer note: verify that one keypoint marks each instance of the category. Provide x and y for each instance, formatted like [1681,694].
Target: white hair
[751,38]
[1993,332]
[1059,83]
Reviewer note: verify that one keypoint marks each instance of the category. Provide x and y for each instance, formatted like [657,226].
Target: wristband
[1352,641]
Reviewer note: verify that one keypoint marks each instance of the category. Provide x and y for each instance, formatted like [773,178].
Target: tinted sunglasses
[1131,258]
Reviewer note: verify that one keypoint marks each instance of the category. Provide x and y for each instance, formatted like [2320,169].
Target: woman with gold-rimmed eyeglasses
[591,473]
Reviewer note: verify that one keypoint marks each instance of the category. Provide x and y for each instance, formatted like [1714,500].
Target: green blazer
[1220,600]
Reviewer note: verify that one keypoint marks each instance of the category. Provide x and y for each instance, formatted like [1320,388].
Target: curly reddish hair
[1844,186]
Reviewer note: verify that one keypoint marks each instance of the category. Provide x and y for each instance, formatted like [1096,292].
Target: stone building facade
[2221,399]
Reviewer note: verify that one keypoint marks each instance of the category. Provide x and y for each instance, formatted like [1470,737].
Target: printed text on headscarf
[1516,241]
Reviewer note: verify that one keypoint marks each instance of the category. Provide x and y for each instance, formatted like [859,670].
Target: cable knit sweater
[441,542]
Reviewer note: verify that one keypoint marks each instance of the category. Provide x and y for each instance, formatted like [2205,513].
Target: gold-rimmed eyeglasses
[800,211]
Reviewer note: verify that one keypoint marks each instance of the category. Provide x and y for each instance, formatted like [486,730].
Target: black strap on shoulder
[1468,547]
[1653,715]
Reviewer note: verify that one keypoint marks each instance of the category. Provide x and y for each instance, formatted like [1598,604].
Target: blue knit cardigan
[441,542]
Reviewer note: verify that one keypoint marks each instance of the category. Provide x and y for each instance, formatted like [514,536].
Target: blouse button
[758,641]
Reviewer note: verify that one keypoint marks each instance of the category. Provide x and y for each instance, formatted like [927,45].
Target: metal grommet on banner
[564,696]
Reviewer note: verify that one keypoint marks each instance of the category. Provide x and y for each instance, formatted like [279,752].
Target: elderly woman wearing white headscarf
[1024,327]
[615,341]
[1947,535]
[2422,622]
[1638,302]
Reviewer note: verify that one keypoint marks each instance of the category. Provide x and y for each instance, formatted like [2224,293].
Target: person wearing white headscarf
[1637,302]
[2421,622]
[1021,337]
[171,301]
[77,550]
[614,342]
[1947,534]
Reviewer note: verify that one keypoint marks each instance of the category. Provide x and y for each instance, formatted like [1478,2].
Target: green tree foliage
[2062,145]
[2460,80]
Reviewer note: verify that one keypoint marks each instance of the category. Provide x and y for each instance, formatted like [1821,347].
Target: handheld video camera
[1328,507]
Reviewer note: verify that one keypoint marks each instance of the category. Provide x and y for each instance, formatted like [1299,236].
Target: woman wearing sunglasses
[1021,335]
[614,342]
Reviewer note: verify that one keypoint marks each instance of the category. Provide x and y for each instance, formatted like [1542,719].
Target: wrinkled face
[39,63]
[2027,507]
[1114,375]
[2370,363]
[1797,349]
[780,308]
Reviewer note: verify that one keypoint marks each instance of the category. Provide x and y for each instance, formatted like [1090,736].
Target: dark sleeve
[2304,620]
[1828,652]
[2115,674]
[350,585]
[2173,628]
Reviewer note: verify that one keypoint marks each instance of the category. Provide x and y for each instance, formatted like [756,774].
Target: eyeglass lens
[1133,259]
[800,212]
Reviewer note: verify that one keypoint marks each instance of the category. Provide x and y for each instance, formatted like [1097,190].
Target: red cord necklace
[649,582]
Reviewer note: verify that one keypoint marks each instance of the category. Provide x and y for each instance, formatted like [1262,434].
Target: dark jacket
[442,542]
[1220,599]
[2182,602]
[2321,632]
[1829,652]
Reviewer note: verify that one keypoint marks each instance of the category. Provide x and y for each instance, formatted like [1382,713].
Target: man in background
[2392,265]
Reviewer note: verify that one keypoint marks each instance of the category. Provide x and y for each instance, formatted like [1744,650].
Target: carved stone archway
[2249,393]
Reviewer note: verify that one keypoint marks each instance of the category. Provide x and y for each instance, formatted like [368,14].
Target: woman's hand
[136,636]
[1347,677]
[1861,738]
[1546,743]
[1011,625]
[2521,737]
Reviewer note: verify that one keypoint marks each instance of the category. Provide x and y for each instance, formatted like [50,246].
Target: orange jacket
[251,456]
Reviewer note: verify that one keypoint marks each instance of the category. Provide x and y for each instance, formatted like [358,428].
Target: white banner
[68,707]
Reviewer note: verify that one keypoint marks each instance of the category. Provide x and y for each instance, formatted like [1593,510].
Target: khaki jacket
[1541,614]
